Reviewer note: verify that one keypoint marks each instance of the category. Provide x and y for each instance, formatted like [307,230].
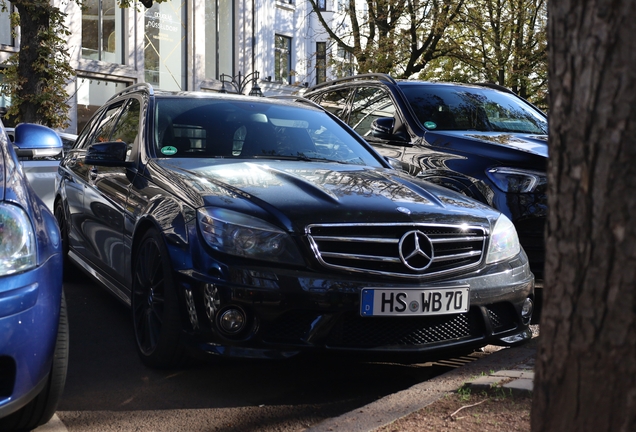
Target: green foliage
[35,78]
[501,41]
[464,393]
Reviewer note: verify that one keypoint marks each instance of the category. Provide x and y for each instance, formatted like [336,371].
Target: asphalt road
[108,389]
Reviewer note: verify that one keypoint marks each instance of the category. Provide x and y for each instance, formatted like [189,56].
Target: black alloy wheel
[155,305]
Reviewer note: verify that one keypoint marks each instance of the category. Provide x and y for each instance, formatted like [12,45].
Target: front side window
[102,31]
[335,102]
[127,128]
[321,62]
[282,59]
[105,127]
[369,103]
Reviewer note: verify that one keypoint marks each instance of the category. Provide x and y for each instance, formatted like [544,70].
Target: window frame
[321,62]
[279,51]
[119,38]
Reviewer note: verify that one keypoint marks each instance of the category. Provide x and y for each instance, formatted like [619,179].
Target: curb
[514,366]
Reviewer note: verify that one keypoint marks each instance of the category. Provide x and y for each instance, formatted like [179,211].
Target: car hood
[299,193]
[530,143]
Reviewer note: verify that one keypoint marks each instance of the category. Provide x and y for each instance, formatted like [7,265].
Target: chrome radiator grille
[405,250]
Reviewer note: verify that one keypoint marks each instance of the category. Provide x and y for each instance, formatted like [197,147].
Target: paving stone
[515,374]
[485,382]
[521,386]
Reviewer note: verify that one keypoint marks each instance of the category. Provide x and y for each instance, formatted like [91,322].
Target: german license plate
[413,302]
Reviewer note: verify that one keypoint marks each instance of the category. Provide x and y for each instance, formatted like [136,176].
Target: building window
[5,101]
[102,31]
[6,38]
[322,5]
[321,62]
[219,28]
[346,60]
[282,59]
[165,45]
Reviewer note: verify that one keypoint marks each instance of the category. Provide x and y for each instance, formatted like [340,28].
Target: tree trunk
[34,21]
[586,363]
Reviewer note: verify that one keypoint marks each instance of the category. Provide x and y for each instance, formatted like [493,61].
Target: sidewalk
[509,368]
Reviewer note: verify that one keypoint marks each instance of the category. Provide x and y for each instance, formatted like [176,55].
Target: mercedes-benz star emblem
[416,250]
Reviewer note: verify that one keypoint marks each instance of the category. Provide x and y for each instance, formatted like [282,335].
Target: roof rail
[495,86]
[135,87]
[296,98]
[361,77]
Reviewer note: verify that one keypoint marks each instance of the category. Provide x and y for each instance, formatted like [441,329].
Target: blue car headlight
[517,180]
[17,240]
[504,242]
[241,235]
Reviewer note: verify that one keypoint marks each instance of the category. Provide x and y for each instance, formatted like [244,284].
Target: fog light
[232,321]
[526,310]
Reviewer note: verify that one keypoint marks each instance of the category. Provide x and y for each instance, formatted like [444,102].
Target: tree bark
[586,362]
[34,20]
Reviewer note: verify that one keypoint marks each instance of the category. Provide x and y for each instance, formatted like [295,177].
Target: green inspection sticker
[168,150]
[430,125]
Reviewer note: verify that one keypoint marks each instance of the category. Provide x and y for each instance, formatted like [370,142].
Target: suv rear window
[449,108]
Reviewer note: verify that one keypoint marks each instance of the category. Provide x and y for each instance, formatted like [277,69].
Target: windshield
[210,128]
[442,107]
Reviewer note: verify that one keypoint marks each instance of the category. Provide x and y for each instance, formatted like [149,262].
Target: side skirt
[106,283]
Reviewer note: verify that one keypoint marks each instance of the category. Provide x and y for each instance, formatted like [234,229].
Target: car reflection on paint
[251,227]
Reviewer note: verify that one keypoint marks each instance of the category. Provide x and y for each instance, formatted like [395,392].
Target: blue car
[33,320]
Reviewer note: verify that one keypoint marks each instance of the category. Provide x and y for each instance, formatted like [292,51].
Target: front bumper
[29,317]
[288,312]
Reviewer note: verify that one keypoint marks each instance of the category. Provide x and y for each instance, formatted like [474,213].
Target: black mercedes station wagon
[481,140]
[263,228]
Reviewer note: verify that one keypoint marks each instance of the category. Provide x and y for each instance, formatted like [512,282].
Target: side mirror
[383,128]
[33,140]
[111,153]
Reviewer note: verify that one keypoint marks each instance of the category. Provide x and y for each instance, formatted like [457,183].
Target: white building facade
[187,45]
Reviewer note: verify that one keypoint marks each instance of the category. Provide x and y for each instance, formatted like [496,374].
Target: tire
[41,409]
[70,272]
[155,305]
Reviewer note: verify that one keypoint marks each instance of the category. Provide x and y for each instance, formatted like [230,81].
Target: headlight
[17,241]
[517,180]
[504,242]
[246,236]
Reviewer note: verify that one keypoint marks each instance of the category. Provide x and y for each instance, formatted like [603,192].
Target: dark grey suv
[481,140]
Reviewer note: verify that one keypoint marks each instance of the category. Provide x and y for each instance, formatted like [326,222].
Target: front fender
[470,187]
[176,221]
